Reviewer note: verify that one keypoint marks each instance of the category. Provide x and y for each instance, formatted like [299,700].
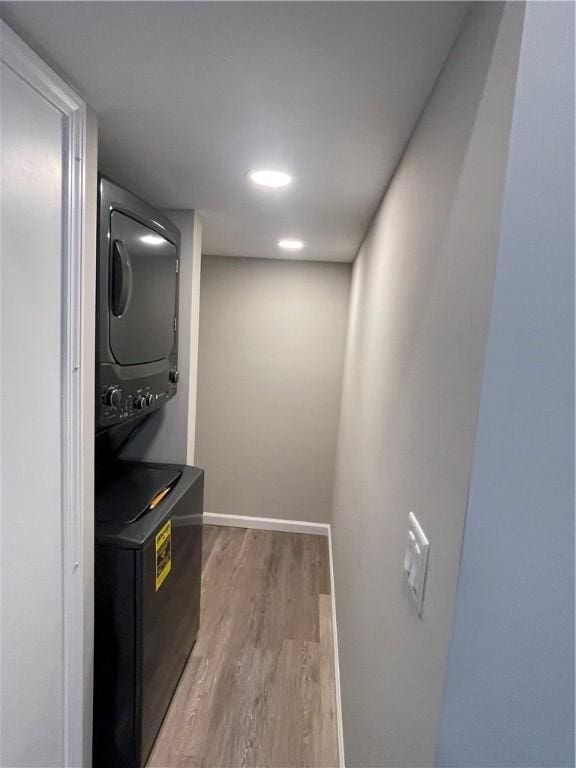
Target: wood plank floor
[258,689]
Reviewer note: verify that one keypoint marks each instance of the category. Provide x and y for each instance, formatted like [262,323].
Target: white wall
[170,434]
[415,352]
[32,673]
[269,378]
[48,210]
[510,686]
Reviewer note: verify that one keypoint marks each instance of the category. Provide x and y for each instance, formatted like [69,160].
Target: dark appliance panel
[145,627]
[136,308]
[143,292]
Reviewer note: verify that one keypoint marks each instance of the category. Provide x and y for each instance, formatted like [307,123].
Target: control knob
[140,402]
[113,397]
[149,400]
[173,376]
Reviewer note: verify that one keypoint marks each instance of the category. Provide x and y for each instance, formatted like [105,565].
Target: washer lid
[125,495]
[126,491]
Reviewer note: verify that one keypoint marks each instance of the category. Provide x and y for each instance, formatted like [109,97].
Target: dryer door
[143,285]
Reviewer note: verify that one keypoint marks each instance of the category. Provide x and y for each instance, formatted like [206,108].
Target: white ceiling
[191,95]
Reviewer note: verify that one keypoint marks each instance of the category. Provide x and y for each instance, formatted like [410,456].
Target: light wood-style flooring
[258,689]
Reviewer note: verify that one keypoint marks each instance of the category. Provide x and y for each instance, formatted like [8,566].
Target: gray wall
[269,382]
[510,687]
[415,353]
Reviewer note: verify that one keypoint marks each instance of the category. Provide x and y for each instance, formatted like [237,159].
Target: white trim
[16,55]
[267,524]
[73,477]
[298,526]
[339,726]
[22,60]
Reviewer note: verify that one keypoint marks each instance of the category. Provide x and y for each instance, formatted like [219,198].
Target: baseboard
[267,524]
[297,526]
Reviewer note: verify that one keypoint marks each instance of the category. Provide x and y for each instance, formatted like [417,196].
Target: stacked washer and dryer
[148,516]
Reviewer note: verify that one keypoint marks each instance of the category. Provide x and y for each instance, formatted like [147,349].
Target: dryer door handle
[122,278]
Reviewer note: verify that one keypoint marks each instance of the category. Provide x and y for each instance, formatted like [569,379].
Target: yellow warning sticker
[163,554]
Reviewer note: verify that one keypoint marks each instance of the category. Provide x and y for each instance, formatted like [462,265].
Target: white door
[42,558]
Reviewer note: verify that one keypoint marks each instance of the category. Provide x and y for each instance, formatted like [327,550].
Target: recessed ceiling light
[290,245]
[268,178]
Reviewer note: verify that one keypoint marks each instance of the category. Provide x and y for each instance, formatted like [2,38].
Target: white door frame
[77,372]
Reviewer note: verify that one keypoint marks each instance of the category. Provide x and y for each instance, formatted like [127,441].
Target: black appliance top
[132,499]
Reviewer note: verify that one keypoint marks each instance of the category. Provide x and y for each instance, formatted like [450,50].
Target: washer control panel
[119,404]
[122,401]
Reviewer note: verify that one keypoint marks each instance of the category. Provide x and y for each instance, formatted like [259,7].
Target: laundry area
[287,384]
